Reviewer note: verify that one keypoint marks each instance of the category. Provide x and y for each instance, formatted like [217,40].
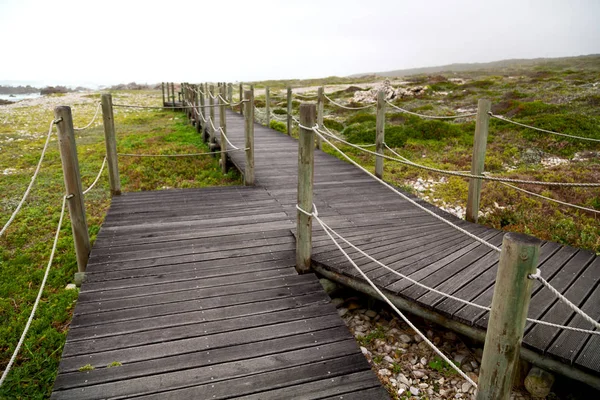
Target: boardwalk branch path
[195,295]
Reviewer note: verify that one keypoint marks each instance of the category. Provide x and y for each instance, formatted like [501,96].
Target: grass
[25,247]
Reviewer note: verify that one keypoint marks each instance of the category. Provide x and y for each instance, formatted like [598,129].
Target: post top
[522,238]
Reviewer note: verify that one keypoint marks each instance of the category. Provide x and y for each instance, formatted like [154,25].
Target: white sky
[107,41]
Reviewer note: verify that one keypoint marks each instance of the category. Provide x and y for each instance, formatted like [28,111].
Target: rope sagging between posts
[315,214]
[97,178]
[347,107]
[431,116]
[39,295]
[501,118]
[464,174]
[33,178]
[92,121]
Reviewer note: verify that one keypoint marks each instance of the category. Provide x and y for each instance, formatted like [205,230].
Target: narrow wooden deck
[416,244]
[195,294]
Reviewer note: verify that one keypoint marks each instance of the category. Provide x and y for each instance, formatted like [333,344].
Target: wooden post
[223,123]
[241,98]
[289,111]
[111,144]
[249,131]
[163,93]
[320,107]
[202,124]
[268,106]
[510,303]
[168,94]
[481,133]
[211,102]
[173,93]
[197,107]
[230,95]
[306,166]
[74,192]
[380,133]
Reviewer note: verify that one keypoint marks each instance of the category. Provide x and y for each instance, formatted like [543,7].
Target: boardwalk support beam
[380,133]
[249,133]
[481,133]
[241,98]
[512,293]
[223,124]
[74,192]
[306,172]
[111,145]
[211,102]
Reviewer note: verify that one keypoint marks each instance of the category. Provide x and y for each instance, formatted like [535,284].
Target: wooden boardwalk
[195,294]
[416,244]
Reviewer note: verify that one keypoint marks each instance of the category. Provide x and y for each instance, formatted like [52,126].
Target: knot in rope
[313,214]
[538,274]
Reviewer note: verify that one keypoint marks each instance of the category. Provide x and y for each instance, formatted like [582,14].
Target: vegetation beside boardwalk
[25,247]
[560,95]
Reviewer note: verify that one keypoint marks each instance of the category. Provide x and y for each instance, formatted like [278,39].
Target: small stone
[450,336]
[71,286]
[388,359]
[418,339]
[458,396]
[418,374]
[474,377]
[423,385]
[403,379]
[474,364]
[365,351]
[342,311]
[371,314]
[465,387]
[384,372]
[423,361]
[405,338]
[460,358]
[400,391]
[414,391]
[467,368]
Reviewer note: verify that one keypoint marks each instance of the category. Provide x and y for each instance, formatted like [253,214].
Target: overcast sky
[107,41]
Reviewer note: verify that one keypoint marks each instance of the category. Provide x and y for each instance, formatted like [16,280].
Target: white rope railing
[551,199]
[93,119]
[464,174]
[97,178]
[385,298]
[443,294]
[228,141]
[405,197]
[501,118]
[279,118]
[559,295]
[307,97]
[347,107]
[33,178]
[431,116]
[39,296]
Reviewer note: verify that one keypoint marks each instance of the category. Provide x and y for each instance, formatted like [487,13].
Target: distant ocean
[17,97]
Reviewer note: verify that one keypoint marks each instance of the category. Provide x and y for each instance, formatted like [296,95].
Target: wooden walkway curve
[195,294]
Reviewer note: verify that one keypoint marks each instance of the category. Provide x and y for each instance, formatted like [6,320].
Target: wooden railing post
[168,94]
[481,133]
[201,123]
[173,93]
[268,106]
[380,133]
[289,111]
[510,303]
[241,98]
[74,192]
[223,124]
[230,95]
[306,166]
[111,145]
[320,109]
[249,132]
[211,102]
[163,93]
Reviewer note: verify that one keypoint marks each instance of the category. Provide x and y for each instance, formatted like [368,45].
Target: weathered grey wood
[230,95]
[163,92]
[380,133]
[320,109]
[289,111]
[173,93]
[479,145]
[111,144]
[249,134]
[202,113]
[168,94]
[241,89]
[268,106]
[72,178]
[306,168]
[512,293]
[223,123]
[211,101]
